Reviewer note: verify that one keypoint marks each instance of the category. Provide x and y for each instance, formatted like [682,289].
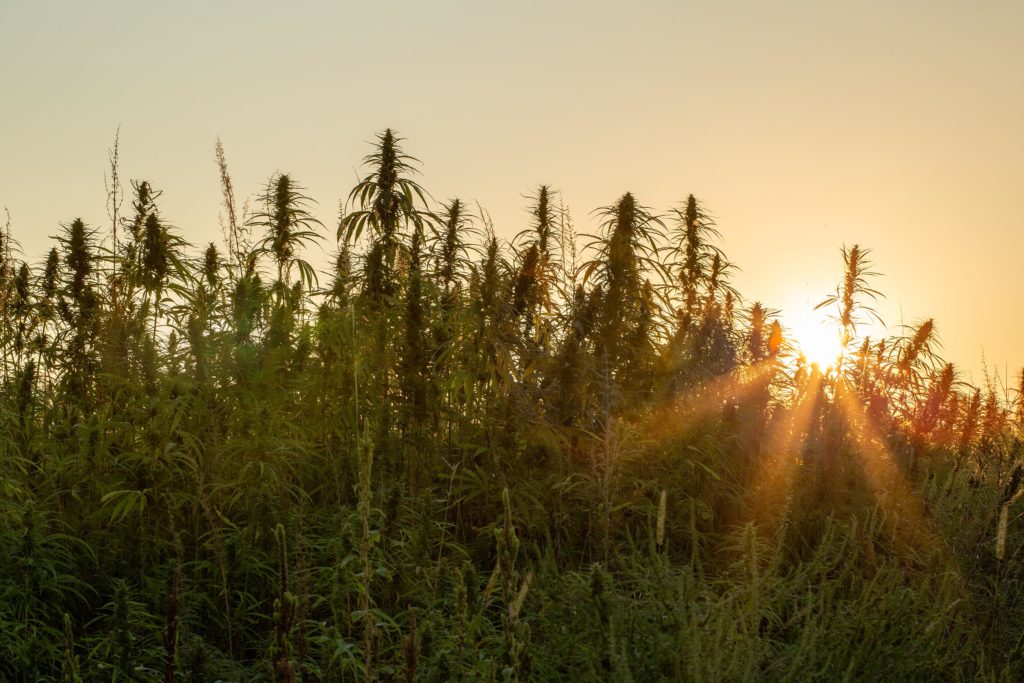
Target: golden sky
[801,126]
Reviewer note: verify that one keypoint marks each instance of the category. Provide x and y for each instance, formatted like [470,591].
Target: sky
[801,126]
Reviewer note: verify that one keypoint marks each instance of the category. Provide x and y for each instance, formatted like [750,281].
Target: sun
[817,340]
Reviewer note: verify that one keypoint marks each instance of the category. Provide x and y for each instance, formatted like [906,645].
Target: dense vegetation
[455,458]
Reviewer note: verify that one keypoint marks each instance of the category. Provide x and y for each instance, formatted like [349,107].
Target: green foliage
[462,459]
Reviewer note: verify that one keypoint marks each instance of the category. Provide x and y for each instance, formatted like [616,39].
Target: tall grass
[451,457]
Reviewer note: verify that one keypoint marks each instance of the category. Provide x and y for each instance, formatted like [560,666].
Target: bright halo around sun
[817,340]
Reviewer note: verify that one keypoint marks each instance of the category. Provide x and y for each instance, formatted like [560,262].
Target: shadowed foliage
[448,457]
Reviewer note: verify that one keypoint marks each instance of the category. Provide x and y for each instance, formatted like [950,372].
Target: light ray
[704,402]
[906,519]
[780,460]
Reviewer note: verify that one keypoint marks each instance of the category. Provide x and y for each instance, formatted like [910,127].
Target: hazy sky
[801,126]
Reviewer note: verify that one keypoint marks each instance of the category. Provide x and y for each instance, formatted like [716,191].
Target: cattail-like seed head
[659,534]
[1004,523]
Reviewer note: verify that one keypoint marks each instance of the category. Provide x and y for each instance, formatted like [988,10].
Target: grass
[457,458]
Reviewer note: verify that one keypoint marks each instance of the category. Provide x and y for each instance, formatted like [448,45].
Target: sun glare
[817,340]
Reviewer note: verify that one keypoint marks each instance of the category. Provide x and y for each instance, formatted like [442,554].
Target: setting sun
[817,340]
